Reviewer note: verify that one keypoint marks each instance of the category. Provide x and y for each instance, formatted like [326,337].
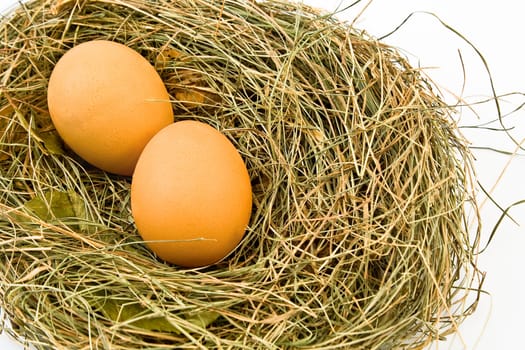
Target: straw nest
[359,237]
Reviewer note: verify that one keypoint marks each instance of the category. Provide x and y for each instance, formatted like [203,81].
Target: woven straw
[362,188]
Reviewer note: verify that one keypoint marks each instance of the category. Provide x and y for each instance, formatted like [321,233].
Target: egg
[107,101]
[191,195]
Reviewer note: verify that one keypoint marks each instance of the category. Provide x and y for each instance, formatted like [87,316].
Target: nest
[360,236]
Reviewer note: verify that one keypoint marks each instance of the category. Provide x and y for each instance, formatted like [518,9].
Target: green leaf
[126,312]
[204,318]
[52,142]
[137,315]
[54,204]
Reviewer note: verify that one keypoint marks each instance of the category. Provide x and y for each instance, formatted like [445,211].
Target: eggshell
[106,102]
[191,195]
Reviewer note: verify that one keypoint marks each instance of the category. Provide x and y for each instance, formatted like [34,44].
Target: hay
[361,184]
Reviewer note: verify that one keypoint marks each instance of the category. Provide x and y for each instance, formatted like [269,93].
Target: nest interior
[359,236]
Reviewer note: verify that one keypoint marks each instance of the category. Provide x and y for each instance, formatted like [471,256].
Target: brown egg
[191,195]
[106,102]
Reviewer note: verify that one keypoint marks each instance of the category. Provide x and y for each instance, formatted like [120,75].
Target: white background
[495,29]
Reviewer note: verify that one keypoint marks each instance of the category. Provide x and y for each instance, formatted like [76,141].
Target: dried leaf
[190,96]
[168,54]
[59,5]
[189,85]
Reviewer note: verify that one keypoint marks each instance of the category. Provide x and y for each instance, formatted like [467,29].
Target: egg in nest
[106,102]
[191,194]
